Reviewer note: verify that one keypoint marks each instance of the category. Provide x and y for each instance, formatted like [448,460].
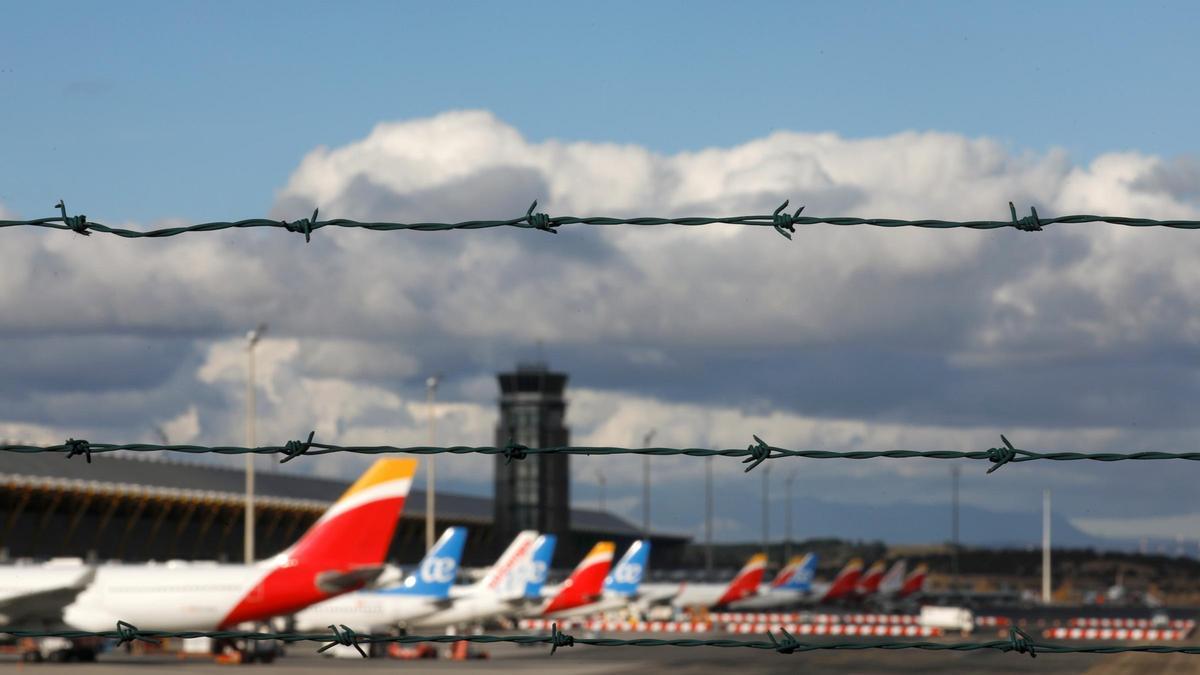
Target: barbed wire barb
[127,632]
[344,636]
[1021,641]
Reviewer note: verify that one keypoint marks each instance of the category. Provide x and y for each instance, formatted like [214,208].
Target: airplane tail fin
[436,573]
[915,582]
[357,530]
[894,579]
[799,573]
[539,565]
[747,580]
[504,578]
[869,582]
[627,575]
[584,584]
[845,581]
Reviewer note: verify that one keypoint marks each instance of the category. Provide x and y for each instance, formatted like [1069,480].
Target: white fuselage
[686,594]
[189,597]
[364,611]
[608,603]
[768,598]
[472,605]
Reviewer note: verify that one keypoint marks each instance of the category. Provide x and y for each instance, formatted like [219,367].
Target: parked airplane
[620,586]
[538,567]
[501,591]
[841,587]
[914,583]
[893,581]
[424,591]
[868,584]
[584,585]
[743,585]
[792,585]
[343,550]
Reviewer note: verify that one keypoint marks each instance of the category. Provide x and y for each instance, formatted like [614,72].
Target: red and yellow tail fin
[357,530]
[586,582]
[745,584]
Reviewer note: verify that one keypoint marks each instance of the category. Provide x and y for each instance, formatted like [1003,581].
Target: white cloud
[184,428]
[845,337]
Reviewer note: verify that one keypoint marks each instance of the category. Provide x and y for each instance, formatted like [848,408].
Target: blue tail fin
[627,575]
[539,562]
[438,568]
[802,578]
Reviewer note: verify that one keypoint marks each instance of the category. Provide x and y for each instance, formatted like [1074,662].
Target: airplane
[501,591]
[343,550]
[539,567]
[914,583]
[620,586]
[841,587]
[744,584]
[893,581]
[424,591]
[584,585]
[792,585]
[868,583]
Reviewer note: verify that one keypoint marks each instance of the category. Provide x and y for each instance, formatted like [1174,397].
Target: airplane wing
[332,581]
[44,596]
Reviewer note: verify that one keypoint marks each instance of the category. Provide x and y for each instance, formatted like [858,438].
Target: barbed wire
[1018,641]
[782,222]
[753,455]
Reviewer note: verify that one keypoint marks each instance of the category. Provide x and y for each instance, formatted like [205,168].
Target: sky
[1078,338]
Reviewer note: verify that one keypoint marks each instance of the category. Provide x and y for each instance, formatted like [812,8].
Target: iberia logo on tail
[747,580]
[843,585]
[343,550]
[585,583]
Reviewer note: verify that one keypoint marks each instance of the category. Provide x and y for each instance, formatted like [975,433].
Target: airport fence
[1019,641]
[753,454]
[780,220]
[783,223]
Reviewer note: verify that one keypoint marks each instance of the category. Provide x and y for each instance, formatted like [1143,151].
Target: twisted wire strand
[784,223]
[557,639]
[753,455]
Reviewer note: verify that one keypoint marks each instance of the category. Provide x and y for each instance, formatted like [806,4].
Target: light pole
[252,339]
[766,498]
[954,525]
[430,470]
[646,485]
[787,553]
[603,481]
[1046,546]
[708,516]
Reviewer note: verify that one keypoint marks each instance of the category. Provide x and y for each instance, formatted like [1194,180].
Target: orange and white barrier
[992,621]
[619,626]
[1115,634]
[759,617]
[881,619]
[1118,622]
[856,630]
[801,617]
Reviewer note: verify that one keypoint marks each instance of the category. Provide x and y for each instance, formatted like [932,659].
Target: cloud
[1076,338]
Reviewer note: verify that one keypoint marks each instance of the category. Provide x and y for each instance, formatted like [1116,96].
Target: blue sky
[1073,339]
[201,110]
